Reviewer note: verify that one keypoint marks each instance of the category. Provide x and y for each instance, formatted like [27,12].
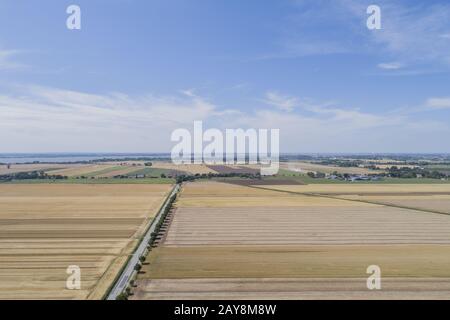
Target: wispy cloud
[326,126]
[40,119]
[414,36]
[282,102]
[342,130]
[390,65]
[297,48]
[7,61]
[36,117]
[438,103]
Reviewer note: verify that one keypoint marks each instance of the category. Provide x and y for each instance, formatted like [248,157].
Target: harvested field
[427,197]
[313,223]
[82,170]
[16,168]
[189,168]
[130,170]
[436,202]
[46,228]
[221,195]
[154,172]
[100,170]
[260,182]
[116,171]
[234,169]
[291,289]
[372,189]
[257,204]
[235,242]
[298,261]
[305,167]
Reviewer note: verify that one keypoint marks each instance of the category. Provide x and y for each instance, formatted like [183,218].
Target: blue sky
[139,69]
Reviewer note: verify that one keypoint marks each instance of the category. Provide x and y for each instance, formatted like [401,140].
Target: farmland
[233,234]
[298,242]
[426,197]
[331,189]
[30,167]
[45,228]
[189,168]
[300,166]
[82,170]
[105,172]
[111,170]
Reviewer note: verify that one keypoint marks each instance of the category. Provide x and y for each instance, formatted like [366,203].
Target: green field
[440,168]
[103,171]
[308,180]
[151,172]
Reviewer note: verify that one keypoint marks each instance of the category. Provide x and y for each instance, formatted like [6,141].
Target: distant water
[71,157]
[77,157]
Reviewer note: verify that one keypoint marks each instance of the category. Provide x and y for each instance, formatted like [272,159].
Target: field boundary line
[310,194]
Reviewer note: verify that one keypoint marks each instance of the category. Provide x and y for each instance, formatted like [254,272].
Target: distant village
[393,172]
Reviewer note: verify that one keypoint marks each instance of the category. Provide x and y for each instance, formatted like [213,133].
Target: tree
[320,175]
[122,296]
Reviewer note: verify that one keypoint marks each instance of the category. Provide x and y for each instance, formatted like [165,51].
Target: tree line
[33,175]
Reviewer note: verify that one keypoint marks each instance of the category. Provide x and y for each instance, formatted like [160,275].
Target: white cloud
[6,60]
[282,102]
[327,111]
[413,33]
[438,103]
[325,127]
[341,131]
[188,92]
[390,66]
[49,119]
[42,119]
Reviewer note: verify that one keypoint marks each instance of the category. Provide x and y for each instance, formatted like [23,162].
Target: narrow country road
[124,278]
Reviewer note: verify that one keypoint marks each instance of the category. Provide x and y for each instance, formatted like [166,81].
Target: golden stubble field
[426,197]
[46,228]
[110,169]
[189,168]
[73,170]
[91,170]
[236,242]
[301,166]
